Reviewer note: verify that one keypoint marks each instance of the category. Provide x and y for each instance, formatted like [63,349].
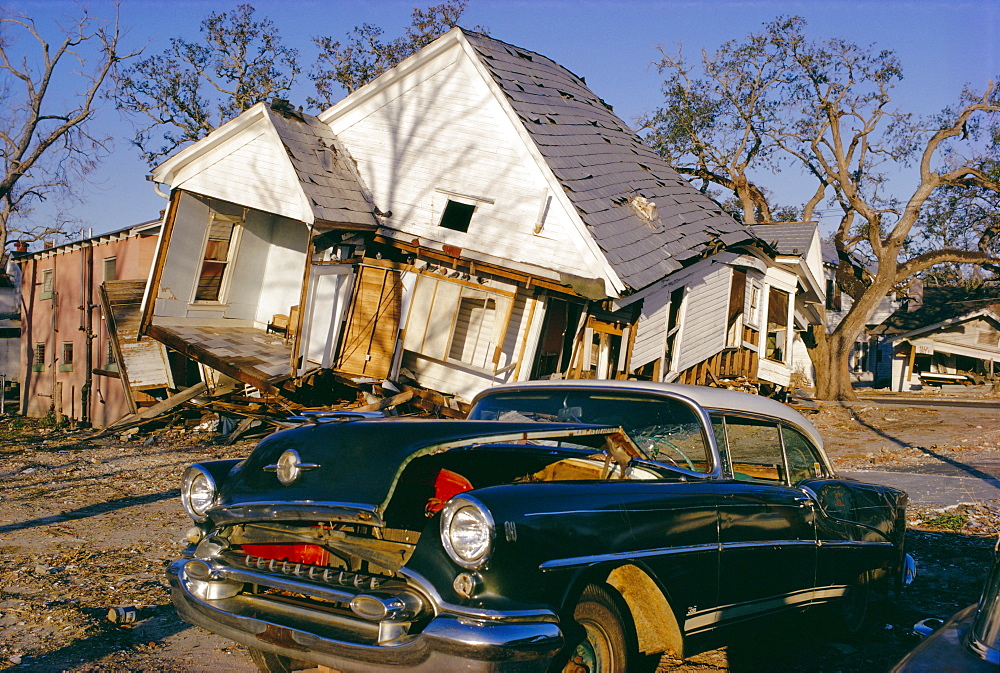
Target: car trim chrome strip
[594,559]
[480,614]
[767,543]
[707,619]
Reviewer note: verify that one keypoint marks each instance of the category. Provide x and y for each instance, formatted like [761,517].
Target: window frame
[38,357]
[113,261]
[48,282]
[443,309]
[237,223]
[722,443]
[66,356]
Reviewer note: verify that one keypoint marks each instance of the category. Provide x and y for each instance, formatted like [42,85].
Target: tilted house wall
[475,215]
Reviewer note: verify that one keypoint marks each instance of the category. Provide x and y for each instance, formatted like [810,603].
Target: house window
[473,334]
[457,321]
[216,259]
[777,325]
[66,363]
[38,364]
[737,306]
[111,361]
[457,216]
[110,268]
[753,304]
[833,302]
[48,279]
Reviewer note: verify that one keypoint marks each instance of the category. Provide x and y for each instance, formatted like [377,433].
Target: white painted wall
[253,170]
[283,270]
[442,133]
[650,336]
[703,330]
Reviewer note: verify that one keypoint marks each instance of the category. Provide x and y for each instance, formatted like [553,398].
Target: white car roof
[712,399]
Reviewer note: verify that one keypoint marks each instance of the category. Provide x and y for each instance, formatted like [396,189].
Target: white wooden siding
[283,270]
[257,174]
[465,381]
[451,134]
[650,336]
[703,331]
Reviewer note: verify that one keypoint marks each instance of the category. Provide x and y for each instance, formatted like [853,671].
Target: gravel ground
[87,525]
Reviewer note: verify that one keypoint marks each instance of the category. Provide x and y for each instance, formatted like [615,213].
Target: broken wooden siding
[704,317]
[462,337]
[141,364]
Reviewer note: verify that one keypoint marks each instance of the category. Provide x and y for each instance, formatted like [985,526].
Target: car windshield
[667,430]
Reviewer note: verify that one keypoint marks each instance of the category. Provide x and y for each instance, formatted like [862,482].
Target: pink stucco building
[68,362]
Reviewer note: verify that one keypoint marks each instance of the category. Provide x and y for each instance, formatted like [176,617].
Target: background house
[69,361]
[475,215]
[951,336]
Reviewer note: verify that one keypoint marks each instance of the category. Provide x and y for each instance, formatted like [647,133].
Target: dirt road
[89,525]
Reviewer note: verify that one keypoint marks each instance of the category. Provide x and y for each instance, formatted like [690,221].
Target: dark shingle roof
[602,164]
[325,170]
[788,238]
[939,304]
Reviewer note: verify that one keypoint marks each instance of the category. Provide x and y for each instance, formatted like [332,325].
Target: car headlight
[198,491]
[467,531]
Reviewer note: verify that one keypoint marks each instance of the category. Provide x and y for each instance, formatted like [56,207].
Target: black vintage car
[566,526]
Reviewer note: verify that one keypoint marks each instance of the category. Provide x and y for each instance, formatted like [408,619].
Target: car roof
[719,399]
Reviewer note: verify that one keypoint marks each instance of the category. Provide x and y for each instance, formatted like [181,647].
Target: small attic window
[457,216]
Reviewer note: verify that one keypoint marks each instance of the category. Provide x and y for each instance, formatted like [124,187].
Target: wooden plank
[387,402]
[161,256]
[156,410]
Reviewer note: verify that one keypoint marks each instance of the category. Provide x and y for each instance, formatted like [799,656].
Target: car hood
[353,466]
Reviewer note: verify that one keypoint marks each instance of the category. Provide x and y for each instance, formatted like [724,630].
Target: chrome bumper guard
[210,596]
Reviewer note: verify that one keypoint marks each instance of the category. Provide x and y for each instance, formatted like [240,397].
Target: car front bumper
[448,642]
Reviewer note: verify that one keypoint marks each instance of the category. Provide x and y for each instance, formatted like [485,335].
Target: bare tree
[347,66]
[192,88]
[778,99]
[46,145]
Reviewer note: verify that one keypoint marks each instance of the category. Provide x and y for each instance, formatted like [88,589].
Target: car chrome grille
[331,576]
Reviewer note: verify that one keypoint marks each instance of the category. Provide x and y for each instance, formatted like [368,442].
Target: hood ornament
[289,467]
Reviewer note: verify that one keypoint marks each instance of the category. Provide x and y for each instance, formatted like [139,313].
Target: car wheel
[608,645]
[268,662]
[855,610]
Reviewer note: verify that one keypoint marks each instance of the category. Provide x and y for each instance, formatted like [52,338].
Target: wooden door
[373,323]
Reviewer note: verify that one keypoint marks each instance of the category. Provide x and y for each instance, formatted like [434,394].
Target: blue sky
[942,46]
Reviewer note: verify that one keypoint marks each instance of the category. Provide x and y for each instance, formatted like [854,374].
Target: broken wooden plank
[157,409]
[387,402]
[243,426]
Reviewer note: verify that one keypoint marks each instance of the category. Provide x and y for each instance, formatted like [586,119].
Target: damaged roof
[326,172]
[646,218]
[940,304]
[788,238]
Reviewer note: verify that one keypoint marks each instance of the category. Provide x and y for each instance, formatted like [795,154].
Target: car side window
[754,449]
[803,458]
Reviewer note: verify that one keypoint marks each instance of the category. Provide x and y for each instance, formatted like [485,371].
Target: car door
[767,527]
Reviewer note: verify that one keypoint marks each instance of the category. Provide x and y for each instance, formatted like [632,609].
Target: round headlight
[198,492]
[467,531]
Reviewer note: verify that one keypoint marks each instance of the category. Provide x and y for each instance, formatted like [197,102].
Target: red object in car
[311,554]
[447,484]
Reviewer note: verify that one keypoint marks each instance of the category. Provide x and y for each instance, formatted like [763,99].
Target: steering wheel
[680,452]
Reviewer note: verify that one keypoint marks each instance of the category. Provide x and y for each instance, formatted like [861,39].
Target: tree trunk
[831,353]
